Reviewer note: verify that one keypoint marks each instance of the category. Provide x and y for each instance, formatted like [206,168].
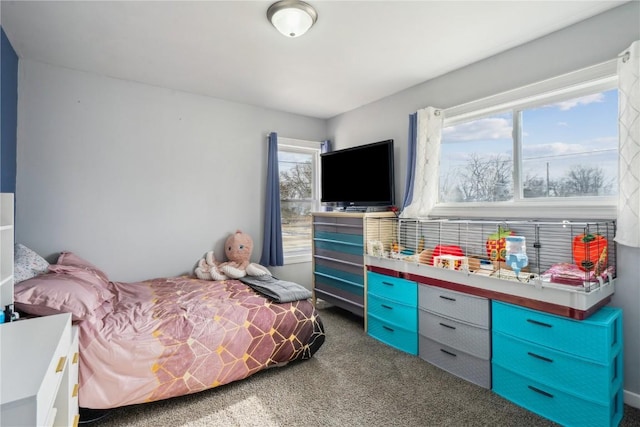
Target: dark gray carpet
[353,380]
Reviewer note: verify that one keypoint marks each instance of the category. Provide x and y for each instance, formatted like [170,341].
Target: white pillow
[27,263]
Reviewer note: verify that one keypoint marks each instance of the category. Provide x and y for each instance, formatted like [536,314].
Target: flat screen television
[358,177]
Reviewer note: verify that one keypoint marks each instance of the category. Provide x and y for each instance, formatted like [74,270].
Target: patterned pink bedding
[169,337]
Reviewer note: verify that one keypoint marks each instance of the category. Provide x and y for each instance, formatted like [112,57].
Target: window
[551,144]
[299,195]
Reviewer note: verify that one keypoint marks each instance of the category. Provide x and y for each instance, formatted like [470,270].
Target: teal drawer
[556,405]
[597,337]
[355,276]
[323,280]
[339,237]
[339,246]
[392,335]
[571,374]
[393,288]
[393,312]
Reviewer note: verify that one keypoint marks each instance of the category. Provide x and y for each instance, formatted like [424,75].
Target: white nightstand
[39,372]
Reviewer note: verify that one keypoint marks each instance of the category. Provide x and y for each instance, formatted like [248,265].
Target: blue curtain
[272,252]
[325,146]
[411,162]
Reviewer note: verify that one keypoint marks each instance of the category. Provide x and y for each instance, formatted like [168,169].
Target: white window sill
[578,209]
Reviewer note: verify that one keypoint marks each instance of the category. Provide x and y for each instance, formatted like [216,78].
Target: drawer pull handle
[387,283]
[61,363]
[447,326]
[76,420]
[387,328]
[447,298]
[448,352]
[75,391]
[536,322]
[386,306]
[537,356]
[75,358]
[542,392]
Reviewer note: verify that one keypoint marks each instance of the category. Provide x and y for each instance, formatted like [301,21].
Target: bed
[166,337]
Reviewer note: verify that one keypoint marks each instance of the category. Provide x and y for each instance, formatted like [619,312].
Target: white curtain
[425,187]
[628,227]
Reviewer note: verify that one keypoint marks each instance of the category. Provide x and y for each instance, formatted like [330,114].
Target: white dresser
[39,372]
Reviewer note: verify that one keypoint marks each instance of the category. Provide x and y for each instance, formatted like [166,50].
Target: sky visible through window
[555,137]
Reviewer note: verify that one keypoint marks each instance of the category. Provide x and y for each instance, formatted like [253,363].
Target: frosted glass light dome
[292,18]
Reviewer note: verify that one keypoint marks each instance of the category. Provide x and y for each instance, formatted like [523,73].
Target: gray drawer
[456,305]
[338,265]
[462,336]
[345,225]
[456,362]
[340,228]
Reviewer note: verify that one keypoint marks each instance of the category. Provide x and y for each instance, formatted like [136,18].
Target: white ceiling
[358,51]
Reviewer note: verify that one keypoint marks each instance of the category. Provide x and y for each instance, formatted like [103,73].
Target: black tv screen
[358,176]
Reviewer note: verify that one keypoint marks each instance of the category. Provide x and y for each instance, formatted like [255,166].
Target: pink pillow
[65,289]
[69,258]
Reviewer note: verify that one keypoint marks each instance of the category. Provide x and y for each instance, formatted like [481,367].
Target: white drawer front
[66,402]
[456,305]
[462,336]
[53,377]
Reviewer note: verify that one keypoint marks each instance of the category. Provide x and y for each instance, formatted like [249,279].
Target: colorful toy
[445,250]
[451,262]
[590,252]
[497,245]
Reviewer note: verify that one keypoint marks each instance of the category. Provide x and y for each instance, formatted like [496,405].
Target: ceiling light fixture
[292,18]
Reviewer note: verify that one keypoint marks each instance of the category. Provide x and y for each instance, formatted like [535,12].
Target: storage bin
[558,369]
[595,338]
[456,362]
[394,335]
[559,406]
[393,288]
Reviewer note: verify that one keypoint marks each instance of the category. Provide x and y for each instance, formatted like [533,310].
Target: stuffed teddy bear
[237,248]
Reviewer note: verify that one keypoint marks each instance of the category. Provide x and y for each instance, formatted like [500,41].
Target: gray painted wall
[139,180]
[587,43]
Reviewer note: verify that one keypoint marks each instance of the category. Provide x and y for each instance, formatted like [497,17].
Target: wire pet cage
[579,255]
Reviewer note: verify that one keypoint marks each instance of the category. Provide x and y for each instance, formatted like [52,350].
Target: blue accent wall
[8,115]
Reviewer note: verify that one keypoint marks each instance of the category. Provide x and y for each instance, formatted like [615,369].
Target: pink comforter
[169,337]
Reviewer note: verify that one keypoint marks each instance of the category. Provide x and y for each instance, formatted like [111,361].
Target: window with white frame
[554,143]
[298,162]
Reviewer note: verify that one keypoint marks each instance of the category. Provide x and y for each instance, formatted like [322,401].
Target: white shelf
[6,248]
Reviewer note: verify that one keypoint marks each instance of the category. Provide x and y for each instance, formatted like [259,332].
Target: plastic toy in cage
[496,244]
[590,252]
[516,253]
